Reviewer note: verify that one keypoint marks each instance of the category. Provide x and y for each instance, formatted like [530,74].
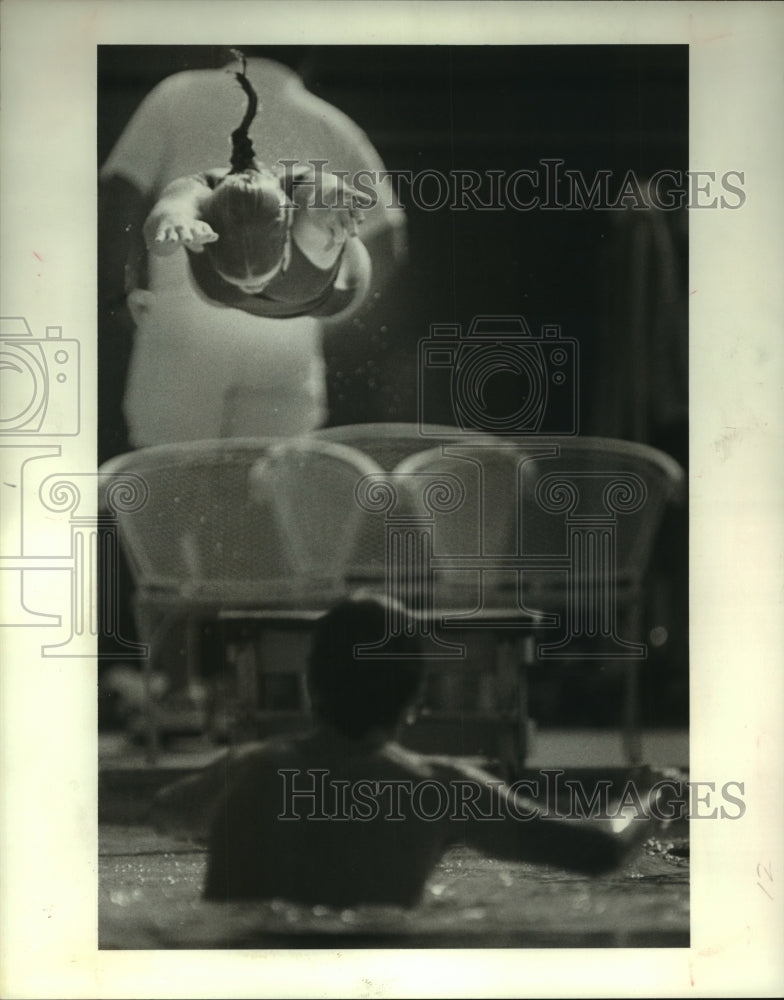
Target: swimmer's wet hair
[359,693]
[243,156]
[248,209]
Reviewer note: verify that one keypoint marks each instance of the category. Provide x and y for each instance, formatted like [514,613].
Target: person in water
[344,815]
[277,242]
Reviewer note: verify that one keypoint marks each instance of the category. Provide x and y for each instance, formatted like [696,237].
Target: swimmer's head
[358,694]
[252,217]
[249,211]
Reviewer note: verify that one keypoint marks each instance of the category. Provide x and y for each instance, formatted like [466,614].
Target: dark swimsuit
[304,289]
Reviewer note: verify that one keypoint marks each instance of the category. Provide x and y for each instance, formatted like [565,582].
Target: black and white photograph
[426,358]
[393,503]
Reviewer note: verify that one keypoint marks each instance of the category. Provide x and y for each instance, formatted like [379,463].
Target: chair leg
[632,729]
[632,709]
[513,659]
[524,721]
[148,628]
[151,734]
[157,626]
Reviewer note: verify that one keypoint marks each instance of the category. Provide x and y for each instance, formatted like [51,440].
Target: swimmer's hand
[331,211]
[164,236]
[176,219]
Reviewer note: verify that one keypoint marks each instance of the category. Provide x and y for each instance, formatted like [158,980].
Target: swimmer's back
[322,819]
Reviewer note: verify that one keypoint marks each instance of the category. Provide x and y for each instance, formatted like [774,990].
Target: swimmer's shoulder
[441,767]
[272,750]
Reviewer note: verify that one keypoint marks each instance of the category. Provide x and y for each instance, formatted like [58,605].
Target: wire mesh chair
[469,490]
[563,526]
[466,495]
[310,487]
[591,510]
[256,524]
[577,479]
[388,444]
[200,534]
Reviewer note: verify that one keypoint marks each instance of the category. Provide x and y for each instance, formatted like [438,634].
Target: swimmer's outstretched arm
[186,807]
[328,213]
[352,283]
[522,831]
[326,223]
[175,220]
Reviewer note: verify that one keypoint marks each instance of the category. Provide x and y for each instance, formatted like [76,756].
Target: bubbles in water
[124,897]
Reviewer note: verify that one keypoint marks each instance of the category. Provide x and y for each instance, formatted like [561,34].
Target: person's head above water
[249,211]
[357,693]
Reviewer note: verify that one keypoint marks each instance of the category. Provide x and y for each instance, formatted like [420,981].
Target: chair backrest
[576,480]
[522,497]
[220,525]
[391,443]
[310,488]
[388,444]
[480,517]
[200,528]
[469,490]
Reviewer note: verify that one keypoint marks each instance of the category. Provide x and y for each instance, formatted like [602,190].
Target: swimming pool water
[150,897]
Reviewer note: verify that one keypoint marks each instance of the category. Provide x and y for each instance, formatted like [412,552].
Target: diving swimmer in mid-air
[272,242]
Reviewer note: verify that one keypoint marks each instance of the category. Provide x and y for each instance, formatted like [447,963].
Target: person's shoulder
[440,767]
[273,748]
